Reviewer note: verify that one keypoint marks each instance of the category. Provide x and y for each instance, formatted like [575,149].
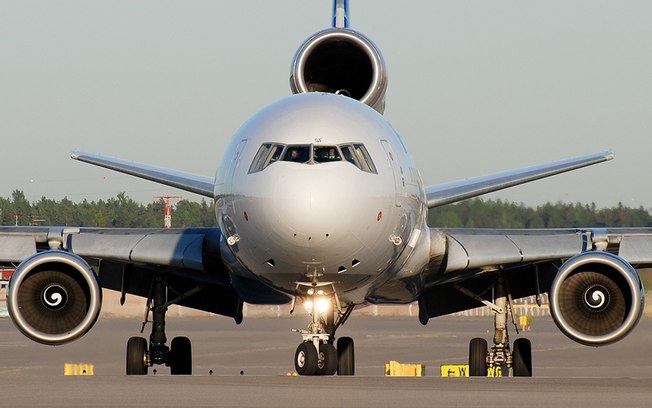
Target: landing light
[321,305]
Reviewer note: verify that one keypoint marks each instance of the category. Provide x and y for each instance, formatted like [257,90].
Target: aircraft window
[354,153]
[297,153]
[323,154]
[358,155]
[266,155]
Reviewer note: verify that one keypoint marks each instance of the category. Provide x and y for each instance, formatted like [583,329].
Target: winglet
[459,190]
[194,183]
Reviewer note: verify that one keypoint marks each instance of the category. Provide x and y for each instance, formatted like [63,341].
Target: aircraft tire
[478,357]
[180,359]
[137,356]
[345,356]
[522,358]
[305,359]
[328,355]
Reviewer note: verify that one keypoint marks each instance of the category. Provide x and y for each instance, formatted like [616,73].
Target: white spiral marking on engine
[56,300]
[597,296]
[53,296]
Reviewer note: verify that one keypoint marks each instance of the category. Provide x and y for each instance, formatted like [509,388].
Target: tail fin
[340,13]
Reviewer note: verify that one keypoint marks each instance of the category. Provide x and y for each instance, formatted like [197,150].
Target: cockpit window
[297,153]
[358,155]
[354,153]
[267,154]
[323,154]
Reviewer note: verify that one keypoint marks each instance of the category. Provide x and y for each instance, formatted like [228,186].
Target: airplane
[319,205]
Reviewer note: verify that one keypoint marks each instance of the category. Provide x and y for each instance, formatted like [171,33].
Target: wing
[464,263]
[455,191]
[126,259]
[194,183]
[65,268]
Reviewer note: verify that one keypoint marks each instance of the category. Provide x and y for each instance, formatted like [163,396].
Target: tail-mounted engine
[596,298]
[54,297]
[342,61]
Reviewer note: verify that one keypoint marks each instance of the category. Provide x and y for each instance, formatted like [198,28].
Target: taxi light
[323,304]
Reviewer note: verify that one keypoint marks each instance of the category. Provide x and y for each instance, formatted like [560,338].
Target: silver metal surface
[289,224]
[347,50]
[633,293]
[194,183]
[455,191]
[44,262]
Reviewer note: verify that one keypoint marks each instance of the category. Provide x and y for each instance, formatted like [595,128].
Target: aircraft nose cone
[312,220]
[312,210]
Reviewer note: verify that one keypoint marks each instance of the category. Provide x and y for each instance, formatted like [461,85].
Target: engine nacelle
[54,297]
[342,61]
[596,298]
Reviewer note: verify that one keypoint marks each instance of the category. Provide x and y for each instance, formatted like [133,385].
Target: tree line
[122,211]
[478,213]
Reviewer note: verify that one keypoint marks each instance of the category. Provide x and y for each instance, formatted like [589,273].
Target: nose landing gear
[317,354]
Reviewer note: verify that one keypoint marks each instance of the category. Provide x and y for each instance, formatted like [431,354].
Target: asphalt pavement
[248,365]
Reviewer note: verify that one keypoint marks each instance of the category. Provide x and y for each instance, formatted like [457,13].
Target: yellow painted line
[78,369]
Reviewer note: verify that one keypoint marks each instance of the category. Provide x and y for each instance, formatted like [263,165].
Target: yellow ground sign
[78,369]
[462,370]
[396,369]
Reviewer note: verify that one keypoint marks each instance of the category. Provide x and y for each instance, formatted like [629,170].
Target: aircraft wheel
[478,357]
[522,358]
[305,359]
[180,358]
[345,356]
[137,356]
[327,364]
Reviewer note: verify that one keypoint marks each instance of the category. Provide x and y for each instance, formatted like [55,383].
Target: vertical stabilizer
[340,13]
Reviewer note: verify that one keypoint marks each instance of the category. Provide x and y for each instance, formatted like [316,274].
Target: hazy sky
[474,87]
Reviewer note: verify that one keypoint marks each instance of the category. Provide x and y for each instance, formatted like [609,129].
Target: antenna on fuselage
[340,13]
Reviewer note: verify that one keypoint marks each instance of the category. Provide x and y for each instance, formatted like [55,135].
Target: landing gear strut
[482,358]
[317,354]
[139,357]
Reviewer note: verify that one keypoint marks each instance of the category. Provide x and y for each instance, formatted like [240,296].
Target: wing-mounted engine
[342,61]
[596,298]
[54,297]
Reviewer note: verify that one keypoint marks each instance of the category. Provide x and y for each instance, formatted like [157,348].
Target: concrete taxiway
[247,365]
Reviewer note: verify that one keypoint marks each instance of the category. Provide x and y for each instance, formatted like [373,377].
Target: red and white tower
[168,209]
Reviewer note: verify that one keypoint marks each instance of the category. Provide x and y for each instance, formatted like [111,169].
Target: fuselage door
[395,168]
[235,162]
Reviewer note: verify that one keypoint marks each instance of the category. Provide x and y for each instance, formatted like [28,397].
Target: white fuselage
[343,210]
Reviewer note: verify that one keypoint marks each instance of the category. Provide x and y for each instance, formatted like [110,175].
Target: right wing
[53,264]
[194,183]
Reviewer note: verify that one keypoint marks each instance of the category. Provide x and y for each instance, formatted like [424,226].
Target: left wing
[455,191]
[596,295]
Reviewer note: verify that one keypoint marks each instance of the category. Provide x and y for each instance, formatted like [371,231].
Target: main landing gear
[317,354]
[178,356]
[519,358]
